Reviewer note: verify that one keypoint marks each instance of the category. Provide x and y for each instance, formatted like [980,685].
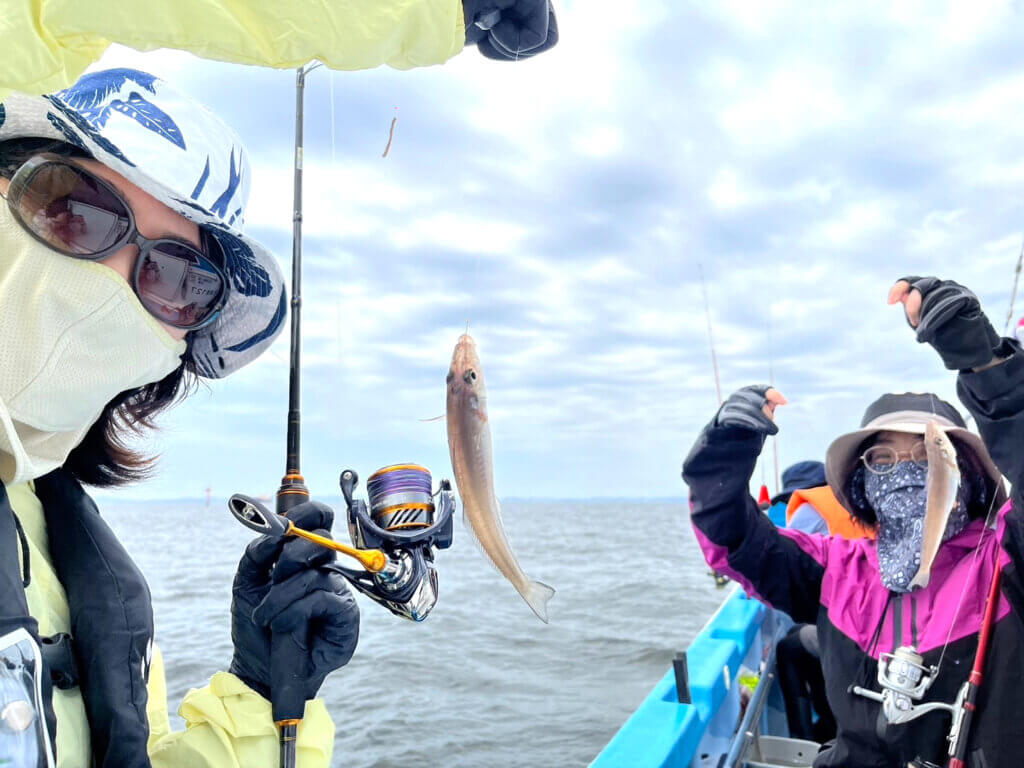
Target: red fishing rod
[969,695]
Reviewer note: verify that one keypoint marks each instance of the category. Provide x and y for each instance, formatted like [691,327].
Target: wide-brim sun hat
[909,413]
[181,153]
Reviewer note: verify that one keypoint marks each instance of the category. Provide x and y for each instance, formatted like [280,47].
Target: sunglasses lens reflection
[72,211]
[179,285]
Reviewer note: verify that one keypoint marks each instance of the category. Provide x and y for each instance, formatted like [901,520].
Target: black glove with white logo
[953,323]
[509,30]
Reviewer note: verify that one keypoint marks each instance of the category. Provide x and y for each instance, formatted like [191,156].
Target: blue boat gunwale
[662,733]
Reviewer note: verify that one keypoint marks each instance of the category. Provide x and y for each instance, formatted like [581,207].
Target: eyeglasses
[882,459]
[80,215]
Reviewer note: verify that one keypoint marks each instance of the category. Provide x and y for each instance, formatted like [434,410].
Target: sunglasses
[80,215]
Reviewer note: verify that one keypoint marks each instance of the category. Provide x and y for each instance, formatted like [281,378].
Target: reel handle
[256,517]
[253,515]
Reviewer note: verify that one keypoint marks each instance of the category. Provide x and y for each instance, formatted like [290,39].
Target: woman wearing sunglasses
[125,276]
[860,592]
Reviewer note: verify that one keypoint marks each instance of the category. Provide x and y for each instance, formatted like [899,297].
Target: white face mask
[73,335]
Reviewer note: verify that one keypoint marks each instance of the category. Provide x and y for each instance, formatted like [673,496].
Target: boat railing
[699,727]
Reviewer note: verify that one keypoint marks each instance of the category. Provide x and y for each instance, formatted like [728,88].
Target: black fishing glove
[953,323]
[509,30]
[283,600]
[745,408]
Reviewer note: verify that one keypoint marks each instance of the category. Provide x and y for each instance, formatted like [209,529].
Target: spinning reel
[904,679]
[402,521]
[394,540]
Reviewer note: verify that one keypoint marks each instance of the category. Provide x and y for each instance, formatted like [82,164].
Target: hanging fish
[469,441]
[943,485]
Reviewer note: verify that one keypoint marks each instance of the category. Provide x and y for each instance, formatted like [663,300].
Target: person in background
[813,507]
[802,475]
[808,505]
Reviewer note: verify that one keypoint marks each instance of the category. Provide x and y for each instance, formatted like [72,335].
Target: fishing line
[334,157]
[963,589]
[977,547]
[711,338]
[771,381]
[1013,294]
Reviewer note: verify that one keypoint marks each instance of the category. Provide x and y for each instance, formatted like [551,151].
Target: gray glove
[744,408]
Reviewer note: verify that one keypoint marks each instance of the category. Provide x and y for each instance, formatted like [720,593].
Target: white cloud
[782,106]
[807,156]
[598,140]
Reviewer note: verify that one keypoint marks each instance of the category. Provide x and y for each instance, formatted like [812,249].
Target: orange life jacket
[835,515]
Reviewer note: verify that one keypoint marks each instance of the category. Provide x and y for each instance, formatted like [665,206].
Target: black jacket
[111,618]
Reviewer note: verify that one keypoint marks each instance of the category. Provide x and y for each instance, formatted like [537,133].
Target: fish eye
[450,376]
[469,376]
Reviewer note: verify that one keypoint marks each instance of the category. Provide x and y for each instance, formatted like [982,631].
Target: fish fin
[468,525]
[476,541]
[537,593]
[537,596]
[436,418]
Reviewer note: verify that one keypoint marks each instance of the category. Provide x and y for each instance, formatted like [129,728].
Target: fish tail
[536,596]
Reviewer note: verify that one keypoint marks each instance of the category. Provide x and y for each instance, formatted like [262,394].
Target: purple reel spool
[401,497]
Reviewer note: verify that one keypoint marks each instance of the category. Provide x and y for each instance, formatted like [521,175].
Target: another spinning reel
[904,679]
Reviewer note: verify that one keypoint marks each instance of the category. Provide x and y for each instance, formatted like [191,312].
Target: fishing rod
[714,368]
[968,698]
[288,709]
[394,536]
[771,381]
[720,579]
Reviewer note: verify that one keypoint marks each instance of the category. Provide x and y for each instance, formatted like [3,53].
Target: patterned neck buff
[899,499]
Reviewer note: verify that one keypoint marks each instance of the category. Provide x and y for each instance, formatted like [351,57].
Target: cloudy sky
[804,157]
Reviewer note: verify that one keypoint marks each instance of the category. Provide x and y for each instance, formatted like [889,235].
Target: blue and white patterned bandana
[899,499]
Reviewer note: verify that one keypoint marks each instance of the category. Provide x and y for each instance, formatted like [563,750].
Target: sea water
[482,682]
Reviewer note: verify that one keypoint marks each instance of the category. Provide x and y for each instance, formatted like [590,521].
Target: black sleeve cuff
[1000,387]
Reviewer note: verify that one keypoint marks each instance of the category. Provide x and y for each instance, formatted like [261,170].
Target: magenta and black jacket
[834,583]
